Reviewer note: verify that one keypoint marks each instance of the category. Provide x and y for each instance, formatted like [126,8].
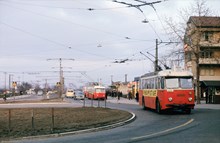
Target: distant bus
[94,91]
[168,89]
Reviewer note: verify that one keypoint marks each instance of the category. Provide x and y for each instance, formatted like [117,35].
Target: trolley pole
[156,52]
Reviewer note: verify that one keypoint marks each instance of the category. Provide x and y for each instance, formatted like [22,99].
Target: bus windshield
[181,82]
[100,90]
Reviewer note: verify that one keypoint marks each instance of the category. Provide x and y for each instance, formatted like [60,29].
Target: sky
[88,35]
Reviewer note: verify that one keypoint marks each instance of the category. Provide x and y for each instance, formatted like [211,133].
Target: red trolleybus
[94,91]
[168,89]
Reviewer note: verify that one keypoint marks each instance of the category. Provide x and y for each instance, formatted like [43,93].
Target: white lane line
[162,132]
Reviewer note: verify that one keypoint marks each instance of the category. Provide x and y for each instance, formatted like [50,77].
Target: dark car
[79,95]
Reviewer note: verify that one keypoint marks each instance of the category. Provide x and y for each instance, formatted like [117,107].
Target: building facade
[202,55]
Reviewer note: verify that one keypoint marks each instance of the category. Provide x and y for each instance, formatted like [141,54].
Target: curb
[114,125]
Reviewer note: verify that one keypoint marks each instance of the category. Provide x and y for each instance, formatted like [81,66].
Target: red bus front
[176,99]
[99,93]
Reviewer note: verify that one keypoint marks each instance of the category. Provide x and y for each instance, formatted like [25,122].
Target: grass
[40,121]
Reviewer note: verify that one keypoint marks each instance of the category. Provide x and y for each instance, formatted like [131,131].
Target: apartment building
[202,55]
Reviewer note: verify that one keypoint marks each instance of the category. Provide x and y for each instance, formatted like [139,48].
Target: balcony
[209,61]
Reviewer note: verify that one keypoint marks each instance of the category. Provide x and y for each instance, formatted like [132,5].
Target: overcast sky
[32,31]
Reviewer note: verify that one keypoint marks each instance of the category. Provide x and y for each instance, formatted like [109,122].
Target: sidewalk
[122,100]
[203,105]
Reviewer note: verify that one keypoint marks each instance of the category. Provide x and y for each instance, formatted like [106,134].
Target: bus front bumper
[180,106]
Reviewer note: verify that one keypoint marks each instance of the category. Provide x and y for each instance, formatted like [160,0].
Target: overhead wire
[71,8]
[153,28]
[51,41]
[46,39]
[87,27]
[70,22]
[61,44]
[55,42]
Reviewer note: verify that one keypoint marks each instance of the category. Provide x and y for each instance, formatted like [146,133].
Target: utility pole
[156,54]
[156,57]
[10,79]
[5,81]
[61,74]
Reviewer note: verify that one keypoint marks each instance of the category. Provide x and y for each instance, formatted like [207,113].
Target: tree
[178,32]
[37,88]
[24,86]
[177,29]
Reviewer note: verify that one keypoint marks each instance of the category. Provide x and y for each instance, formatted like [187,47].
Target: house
[202,55]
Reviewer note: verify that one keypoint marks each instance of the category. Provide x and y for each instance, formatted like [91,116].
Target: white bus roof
[167,73]
[99,87]
[175,73]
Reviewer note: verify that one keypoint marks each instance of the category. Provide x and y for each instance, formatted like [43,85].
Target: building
[202,55]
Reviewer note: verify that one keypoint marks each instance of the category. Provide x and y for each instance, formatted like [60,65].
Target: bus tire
[158,108]
[188,111]
[143,104]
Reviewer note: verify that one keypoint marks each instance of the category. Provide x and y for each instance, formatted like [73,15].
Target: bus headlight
[170,99]
[190,99]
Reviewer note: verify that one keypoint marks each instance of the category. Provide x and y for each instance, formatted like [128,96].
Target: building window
[207,71]
[207,35]
[206,54]
[211,72]
[202,72]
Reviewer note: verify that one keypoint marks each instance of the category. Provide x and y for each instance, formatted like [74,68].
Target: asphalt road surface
[202,126]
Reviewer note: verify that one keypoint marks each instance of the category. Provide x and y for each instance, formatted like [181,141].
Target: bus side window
[162,83]
[155,82]
[148,84]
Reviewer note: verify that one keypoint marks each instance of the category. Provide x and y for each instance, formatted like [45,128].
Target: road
[202,126]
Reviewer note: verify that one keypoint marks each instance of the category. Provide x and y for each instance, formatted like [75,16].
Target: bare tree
[24,87]
[177,29]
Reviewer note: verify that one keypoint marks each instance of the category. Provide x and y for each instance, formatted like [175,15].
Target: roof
[211,83]
[205,21]
[177,73]
[169,73]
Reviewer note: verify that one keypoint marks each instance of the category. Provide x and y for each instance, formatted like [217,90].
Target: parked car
[79,95]
[40,93]
[70,93]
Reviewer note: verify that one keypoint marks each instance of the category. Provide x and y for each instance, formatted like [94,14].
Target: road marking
[162,132]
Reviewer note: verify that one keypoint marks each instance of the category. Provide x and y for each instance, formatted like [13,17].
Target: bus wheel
[143,104]
[158,108]
[188,111]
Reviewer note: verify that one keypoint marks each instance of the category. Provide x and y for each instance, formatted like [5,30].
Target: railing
[209,61]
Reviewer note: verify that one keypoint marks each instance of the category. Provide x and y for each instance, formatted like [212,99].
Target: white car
[70,93]
[40,93]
